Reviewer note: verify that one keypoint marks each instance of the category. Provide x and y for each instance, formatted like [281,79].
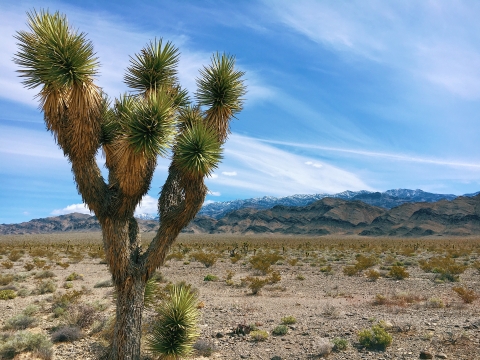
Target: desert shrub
[365,262]
[30,310]
[331,311]
[434,303]
[447,268]
[175,329]
[67,334]
[97,253]
[289,320]
[44,287]
[350,270]
[204,348]
[373,275]
[292,261]
[207,259]
[63,265]
[29,266]
[75,257]
[74,276]
[467,295]
[7,264]
[68,285]
[46,274]
[19,322]
[340,344]
[259,335]
[300,277]
[280,330]
[399,299]
[476,265]
[398,272]
[177,255]
[326,269]
[274,277]
[23,341]
[15,255]
[6,279]
[39,263]
[81,315]
[210,277]
[234,259]
[375,338]
[255,283]
[262,262]
[64,300]
[7,294]
[104,283]
[230,274]
[324,347]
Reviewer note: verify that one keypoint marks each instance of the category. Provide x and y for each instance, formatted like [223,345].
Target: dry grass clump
[67,334]
[263,261]
[398,272]
[467,295]
[447,268]
[7,264]
[6,279]
[400,299]
[207,259]
[23,341]
[375,338]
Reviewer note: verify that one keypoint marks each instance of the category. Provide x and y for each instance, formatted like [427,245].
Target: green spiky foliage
[175,330]
[220,88]
[156,119]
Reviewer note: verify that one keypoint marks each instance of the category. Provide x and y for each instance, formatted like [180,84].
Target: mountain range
[400,212]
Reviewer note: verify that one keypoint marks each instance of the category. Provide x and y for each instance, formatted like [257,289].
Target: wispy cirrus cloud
[374,154]
[266,169]
[439,44]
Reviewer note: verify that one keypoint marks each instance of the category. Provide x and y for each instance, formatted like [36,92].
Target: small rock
[426,354]
[276,357]
[441,356]
[219,335]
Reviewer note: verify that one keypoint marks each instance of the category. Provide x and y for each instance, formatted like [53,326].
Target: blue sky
[342,95]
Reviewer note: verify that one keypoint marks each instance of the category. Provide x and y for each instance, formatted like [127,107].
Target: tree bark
[128,324]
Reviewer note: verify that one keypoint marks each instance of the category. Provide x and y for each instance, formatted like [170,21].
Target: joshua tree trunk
[132,134]
[128,324]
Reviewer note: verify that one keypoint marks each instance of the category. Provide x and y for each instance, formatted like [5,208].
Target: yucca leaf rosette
[62,61]
[154,67]
[220,88]
[175,330]
[147,131]
[197,151]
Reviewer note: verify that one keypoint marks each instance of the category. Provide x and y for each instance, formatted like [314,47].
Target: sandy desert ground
[326,290]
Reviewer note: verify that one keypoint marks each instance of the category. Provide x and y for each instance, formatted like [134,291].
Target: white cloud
[268,170]
[314,164]
[440,45]
[213,176]
[148,205]
[78,208]
[229,173]
[214,193]
[374,154]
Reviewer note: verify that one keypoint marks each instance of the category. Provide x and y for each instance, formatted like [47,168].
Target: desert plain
[259,297]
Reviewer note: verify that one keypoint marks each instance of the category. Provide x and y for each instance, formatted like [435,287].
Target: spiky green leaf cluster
[220,86]
[176,329]
[198,150]
[154,67]
[53,55]
[148,123]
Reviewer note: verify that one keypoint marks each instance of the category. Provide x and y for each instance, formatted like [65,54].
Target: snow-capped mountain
[388,199]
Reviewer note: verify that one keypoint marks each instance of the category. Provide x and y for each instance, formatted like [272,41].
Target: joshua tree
[156,119]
